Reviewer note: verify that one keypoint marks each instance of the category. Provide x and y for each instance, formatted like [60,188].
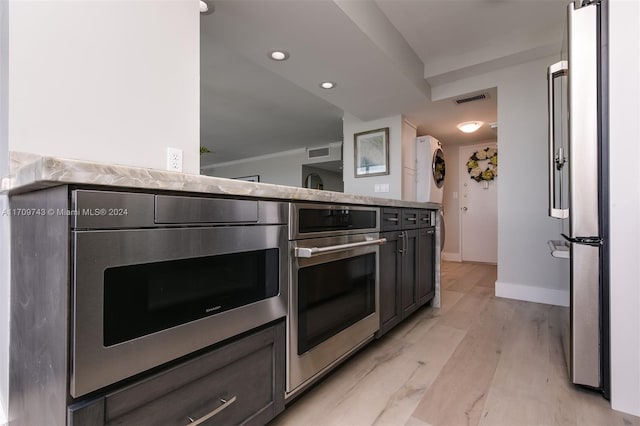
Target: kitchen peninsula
[90,227]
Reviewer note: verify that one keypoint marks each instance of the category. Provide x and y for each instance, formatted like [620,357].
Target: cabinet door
[409,272]
[426,265]
[390,264]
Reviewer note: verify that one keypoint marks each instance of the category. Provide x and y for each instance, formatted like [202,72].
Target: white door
[478,208]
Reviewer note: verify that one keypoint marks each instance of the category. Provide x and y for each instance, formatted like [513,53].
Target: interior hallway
[477,360]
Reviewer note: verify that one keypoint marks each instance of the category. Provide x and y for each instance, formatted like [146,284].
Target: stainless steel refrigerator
[578,187]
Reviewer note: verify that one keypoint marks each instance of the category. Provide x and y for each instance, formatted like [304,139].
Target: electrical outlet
[174,159]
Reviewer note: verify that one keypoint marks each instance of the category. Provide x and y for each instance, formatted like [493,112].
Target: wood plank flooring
[477,360]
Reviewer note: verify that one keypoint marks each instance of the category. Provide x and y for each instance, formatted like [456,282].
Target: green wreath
[490,172]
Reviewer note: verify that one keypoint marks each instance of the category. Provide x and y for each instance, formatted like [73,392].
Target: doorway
[478,189]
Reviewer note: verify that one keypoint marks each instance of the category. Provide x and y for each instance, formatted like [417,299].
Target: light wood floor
[477,360]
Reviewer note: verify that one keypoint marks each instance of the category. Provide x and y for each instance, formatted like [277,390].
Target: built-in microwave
[163,276]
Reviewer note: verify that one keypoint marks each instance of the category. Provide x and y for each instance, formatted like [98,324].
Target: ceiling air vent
[479,97]
[318,152]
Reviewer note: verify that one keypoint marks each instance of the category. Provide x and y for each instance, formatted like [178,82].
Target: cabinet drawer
[391,219]
[239,383]
[409,218]
[425,218]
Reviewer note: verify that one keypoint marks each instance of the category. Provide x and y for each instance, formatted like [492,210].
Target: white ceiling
[384,55]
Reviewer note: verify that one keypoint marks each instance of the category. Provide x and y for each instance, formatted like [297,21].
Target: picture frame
[371,153]
[254,178]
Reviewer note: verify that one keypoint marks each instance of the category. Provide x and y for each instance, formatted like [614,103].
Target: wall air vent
[479,97]
[317,152]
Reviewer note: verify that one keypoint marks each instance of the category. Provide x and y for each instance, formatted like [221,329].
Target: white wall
[110,81]
[409,185]
[283,168]
[624,66]
[4,88]
[525,268]
[366,185]
[4,221]
[106,81]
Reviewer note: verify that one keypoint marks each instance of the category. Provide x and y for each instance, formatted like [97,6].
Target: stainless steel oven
[156,277]
[334,287]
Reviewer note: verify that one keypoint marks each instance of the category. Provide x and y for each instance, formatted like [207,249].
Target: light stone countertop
[30,172]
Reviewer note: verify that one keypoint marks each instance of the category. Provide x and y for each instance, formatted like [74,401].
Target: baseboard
[528,293]
[451,257]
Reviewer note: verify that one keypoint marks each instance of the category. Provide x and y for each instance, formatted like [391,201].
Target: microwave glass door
[145,298]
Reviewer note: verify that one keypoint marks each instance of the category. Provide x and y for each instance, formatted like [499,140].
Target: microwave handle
[315,251]
[556,70]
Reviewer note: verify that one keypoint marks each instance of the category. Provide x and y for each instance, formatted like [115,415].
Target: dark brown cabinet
[239,383]
[391,219]
[410,261]
[409,218]
[426,265]
[390,281]
[407,264]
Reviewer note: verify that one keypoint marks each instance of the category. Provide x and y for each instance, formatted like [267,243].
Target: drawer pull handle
[411,219]
[425,219]
[391,219]
[225,404]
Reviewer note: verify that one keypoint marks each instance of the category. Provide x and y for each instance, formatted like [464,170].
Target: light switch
[455,195]
[381,187]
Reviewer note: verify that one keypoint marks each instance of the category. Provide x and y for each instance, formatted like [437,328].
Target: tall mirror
[254,121]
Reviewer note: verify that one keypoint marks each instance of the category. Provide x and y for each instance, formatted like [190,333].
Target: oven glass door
[333,296]
[333,303]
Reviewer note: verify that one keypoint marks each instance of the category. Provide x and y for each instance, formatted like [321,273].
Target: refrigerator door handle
[556,70]
[590,241]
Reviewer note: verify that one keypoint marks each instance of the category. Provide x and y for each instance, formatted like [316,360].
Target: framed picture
[371,152]
[255,178]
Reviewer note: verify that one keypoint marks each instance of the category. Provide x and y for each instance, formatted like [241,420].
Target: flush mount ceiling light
[279,55]
[328,85]
[470,126]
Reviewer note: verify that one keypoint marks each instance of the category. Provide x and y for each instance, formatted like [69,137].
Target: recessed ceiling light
[279,55]
[328,84]
[470,126]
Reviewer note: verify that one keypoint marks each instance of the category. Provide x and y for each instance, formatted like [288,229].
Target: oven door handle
[316,251]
